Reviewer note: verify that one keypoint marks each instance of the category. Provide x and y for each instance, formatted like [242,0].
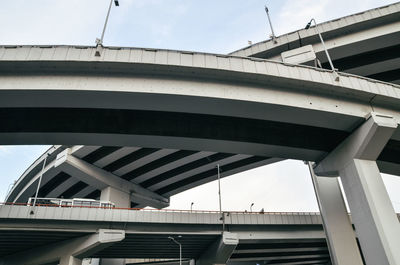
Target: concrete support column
[339,232]
[220,251]
[120,198]
[375,221]
[114,189]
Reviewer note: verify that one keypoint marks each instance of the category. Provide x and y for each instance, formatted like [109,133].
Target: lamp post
[219,197]
[100,41]
[191,206]
[180,248]
[323,44]
[219,188]
[251,207]
[273,37]
[39,182]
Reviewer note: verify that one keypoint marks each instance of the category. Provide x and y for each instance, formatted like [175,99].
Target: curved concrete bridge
[241,108]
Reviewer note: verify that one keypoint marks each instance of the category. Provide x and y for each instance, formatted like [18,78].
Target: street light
[100,41]
[323,44]
[273,37]
[191,206]
[219,197]
[251,207]
[39,182]
[180,248]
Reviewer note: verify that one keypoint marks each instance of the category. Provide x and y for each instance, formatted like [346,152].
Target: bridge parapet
[156,216]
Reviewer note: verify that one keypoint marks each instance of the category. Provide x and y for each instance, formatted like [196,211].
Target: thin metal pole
[311,169]
[105,23]
[323,44]
[270,24]
[219,189]
[180,253]
[180,248]
[40,180]
[219,197]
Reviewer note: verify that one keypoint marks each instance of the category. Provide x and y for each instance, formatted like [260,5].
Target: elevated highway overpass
[365,44]
[247,111]
[272,237]
[140,125]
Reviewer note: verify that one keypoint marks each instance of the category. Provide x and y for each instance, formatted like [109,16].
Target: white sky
[211,26]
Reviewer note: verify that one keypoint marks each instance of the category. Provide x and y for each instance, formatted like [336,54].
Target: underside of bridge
[160,173]
[271,238]
[136,126]
[153,246]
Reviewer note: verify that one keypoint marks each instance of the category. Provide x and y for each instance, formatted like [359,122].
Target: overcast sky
[209,26]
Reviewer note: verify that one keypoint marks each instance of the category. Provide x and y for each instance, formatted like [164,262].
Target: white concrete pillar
[376,222]
[339,232]
[120,198]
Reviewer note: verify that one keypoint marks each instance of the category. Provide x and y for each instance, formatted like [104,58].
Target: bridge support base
[112,186]
[339,232]
[220,251]
[120,198]
[375,221]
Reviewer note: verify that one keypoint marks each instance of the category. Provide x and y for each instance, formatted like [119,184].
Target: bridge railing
[227,213]
[147,215]
[90,213]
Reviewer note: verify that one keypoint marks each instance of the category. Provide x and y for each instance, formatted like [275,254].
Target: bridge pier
[113,188]
[119,198]
[69,252]
[375,221]
[220,251]
[340,236]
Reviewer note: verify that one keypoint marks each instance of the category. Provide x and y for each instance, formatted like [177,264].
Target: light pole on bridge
[323,44]
[100,41]
[180,248]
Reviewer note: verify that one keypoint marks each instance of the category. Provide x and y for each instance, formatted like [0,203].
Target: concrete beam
[367,142]
[375,221]
[70,252]
[220,251]
[341,239]
[101,179]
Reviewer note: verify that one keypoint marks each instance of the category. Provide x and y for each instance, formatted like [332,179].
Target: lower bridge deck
[272,237]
